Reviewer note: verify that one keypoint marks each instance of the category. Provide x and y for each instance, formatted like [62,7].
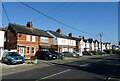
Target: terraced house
[27,40]
[62,42]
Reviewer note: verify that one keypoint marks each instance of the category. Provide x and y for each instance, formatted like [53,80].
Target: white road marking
[98,60]
[84,65]
[55,74]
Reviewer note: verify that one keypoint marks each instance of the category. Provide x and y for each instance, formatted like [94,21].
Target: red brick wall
[16,40]
[22,40]
[11,39]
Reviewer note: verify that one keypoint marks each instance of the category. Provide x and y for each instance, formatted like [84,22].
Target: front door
[21,51]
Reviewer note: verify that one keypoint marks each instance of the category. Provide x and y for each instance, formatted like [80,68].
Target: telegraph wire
[110,39]
[55,19]
[6,13]
[55,12]
[53,9]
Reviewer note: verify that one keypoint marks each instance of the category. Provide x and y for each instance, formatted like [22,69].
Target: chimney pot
[81,37]
[59,31]
[29,24]
[70,34]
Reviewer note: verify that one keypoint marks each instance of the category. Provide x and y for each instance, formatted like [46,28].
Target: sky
[91,18]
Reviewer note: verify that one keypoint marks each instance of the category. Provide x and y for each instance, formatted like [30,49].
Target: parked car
[86,53]
[45,55]
[12,58]
[79,54]
[70,54]
[58,54]
[100,52]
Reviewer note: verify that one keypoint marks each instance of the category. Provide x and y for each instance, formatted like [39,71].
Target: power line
[6,13]
[53,9]
[109,38]
[56,12]
[55,19]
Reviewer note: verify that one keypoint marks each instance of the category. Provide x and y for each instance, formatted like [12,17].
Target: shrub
[107,51]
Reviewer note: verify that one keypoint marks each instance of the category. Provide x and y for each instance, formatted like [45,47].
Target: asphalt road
[105,68]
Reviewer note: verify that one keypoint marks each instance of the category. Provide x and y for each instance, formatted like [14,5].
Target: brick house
[27,40]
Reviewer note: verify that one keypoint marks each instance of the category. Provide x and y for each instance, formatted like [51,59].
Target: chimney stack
[29,24]
[81,37]
[59,31]
[70,34]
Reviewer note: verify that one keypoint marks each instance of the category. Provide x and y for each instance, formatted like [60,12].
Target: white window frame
[63,41]
[33,38]
[44,38]
[27,37]
[27,50]
[34,50]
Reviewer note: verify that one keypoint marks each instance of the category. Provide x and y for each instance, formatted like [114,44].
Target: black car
[86,53]
[100,52]
[57,54]
[45,55]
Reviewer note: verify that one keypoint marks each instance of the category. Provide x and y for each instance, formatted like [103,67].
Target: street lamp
[101,34]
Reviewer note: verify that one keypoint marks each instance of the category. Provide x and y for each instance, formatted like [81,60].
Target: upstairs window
[33,38]
[44,39]
[28,37]
[63,41]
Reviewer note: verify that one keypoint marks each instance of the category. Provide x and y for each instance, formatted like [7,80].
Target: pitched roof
[61,35]
[57,34]
[30,31]
[73,38]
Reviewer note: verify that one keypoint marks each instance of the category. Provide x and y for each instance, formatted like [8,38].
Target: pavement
[10,69]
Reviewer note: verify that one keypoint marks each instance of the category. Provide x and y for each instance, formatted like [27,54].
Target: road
[104,68]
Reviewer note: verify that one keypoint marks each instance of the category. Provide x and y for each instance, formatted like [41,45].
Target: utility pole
[101,34]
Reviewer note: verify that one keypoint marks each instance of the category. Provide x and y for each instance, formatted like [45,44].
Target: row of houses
[27,40]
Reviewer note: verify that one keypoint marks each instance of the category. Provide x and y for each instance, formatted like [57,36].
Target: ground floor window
[33,50]
[28,50]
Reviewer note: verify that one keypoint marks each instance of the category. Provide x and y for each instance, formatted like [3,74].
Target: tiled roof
[61,35]
[57,34]
[73,38]
[30,31]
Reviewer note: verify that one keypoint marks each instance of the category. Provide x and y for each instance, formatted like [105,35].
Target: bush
[107,51]
[110,51]
[117,51]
